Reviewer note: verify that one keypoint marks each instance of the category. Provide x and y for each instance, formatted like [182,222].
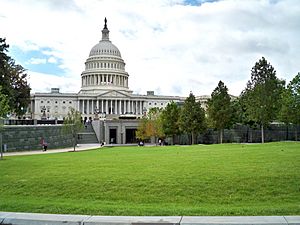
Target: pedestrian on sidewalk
[44,144]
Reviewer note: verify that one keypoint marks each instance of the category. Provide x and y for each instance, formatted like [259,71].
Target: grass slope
[229,179]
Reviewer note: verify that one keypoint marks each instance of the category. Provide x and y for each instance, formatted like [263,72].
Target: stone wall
[243,134]
[22,137]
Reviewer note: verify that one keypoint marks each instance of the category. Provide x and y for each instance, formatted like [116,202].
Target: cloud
[52,60]
[170,46]
[36,61]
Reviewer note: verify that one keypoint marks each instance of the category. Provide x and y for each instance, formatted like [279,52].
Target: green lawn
[228,179]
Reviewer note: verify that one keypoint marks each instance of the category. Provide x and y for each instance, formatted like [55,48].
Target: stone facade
[104,93]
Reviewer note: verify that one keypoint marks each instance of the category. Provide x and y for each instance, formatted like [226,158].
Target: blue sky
[169,46]
[197,2]
[37,61]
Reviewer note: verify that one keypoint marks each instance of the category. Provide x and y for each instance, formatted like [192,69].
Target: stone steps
[87,136]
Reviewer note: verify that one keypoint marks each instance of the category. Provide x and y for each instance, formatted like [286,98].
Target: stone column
[128,106]
[120,107]
[116,106]
[111,107]
[78,105]
[106,106]
[141,108]
[88,107]
[83,112]
[102,106]
[97,104]
[125,106]
[92,107]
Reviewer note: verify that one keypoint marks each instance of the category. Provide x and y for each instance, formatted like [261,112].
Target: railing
[32,122]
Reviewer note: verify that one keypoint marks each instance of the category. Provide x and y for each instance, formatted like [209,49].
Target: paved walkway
[80,147]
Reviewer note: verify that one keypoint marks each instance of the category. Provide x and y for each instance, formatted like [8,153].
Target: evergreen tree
[192,117]
[219,109]
[4,109]
[13,80]
[170,120]
[262,94]
[4,104]
[290,103]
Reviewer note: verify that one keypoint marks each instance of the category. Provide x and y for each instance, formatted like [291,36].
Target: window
[64,102]
[70,102]
[149,103]
[161,103]
[42,101]
[55,102]
[155,103]
[48,101]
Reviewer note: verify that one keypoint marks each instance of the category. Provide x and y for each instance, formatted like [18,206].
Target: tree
[13,80]
[150,125]
[290,103]
[219,109]
[262,94]
[170,120]
[192,117]
[73,124]
[141,132]
[4,104]
[4,109]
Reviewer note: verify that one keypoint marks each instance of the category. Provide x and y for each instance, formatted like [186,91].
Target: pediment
[113,93]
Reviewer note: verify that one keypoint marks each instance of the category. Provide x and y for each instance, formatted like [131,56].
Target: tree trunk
[296,133]
[262,134]
[193,138]
[287,132]
[74,142]
[1,149]
[221,136]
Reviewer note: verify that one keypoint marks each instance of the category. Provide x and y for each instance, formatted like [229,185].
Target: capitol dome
[105,48]
[104,68]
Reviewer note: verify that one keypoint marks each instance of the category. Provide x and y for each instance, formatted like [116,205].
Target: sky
[171,47]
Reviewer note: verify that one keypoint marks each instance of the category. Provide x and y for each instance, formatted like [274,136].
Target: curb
[11,218]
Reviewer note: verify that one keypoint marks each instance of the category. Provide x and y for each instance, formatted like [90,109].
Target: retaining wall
[7,218]
[28,137]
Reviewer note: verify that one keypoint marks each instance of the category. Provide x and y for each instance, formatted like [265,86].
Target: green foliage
[13,80]
[151,125]
[73,124]
[192,117]
[290,103]
[262,94]
[4,104]
[220,180]
[170,119]
[141,132]
[219,108]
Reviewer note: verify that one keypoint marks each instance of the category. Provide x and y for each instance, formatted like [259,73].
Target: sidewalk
[80,147]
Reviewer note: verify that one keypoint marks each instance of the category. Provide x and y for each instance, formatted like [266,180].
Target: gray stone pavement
[80,147]
[12,218]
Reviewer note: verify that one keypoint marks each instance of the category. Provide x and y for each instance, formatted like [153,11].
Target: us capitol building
[104,98]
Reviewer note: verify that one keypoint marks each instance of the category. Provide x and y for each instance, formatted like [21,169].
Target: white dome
[105,47]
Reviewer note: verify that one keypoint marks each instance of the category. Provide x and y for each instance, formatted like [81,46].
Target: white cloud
[40,82]
[36,61]
[167,47]
[52,60]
